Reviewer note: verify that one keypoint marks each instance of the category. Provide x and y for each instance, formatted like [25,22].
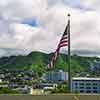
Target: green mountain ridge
[38,61]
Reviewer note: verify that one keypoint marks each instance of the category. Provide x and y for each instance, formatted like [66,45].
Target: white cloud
[91,3]
[51,16]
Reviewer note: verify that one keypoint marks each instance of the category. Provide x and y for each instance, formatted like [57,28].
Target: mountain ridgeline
[37,61]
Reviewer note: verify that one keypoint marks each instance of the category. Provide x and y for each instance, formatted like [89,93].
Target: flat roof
[85,78]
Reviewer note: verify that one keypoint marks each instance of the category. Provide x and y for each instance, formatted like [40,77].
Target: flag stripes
[63,42]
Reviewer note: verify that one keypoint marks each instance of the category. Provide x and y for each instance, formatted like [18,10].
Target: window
[81,91]
[81,83]
[94,87]
[81,87]
[88,87]
[95,91]
[88,91]
[88,83]
[95,84]
[76,83]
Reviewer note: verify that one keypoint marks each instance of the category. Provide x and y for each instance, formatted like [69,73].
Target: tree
[6,90]
[61,88]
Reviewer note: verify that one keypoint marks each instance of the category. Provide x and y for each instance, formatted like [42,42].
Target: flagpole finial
[68,15]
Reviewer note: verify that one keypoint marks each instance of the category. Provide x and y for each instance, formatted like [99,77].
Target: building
[23,89]
[83,74]
[95,67]
[56,76]
[42,88]
[44,85]
[85,85]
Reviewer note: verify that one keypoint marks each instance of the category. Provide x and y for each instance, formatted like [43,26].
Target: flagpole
[69,56]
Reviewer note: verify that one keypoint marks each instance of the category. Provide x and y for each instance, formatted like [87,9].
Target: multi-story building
[56,76]
[85,85]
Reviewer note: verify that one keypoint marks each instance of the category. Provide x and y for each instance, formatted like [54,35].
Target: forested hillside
[37,62]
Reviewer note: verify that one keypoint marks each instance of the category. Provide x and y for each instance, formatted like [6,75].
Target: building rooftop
[85,78]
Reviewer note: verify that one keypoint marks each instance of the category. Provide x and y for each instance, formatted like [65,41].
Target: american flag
[63,42]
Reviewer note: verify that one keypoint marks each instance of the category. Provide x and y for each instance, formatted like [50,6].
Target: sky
[37,25]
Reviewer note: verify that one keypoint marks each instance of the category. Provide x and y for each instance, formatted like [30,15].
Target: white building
[85,85]
[56,76]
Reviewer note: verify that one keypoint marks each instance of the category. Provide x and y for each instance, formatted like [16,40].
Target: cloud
[12,52]
[91,3]
[50,16]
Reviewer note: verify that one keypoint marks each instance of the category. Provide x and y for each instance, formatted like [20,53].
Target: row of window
[87,87]
[89,91]
[86,80]
[87,84]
